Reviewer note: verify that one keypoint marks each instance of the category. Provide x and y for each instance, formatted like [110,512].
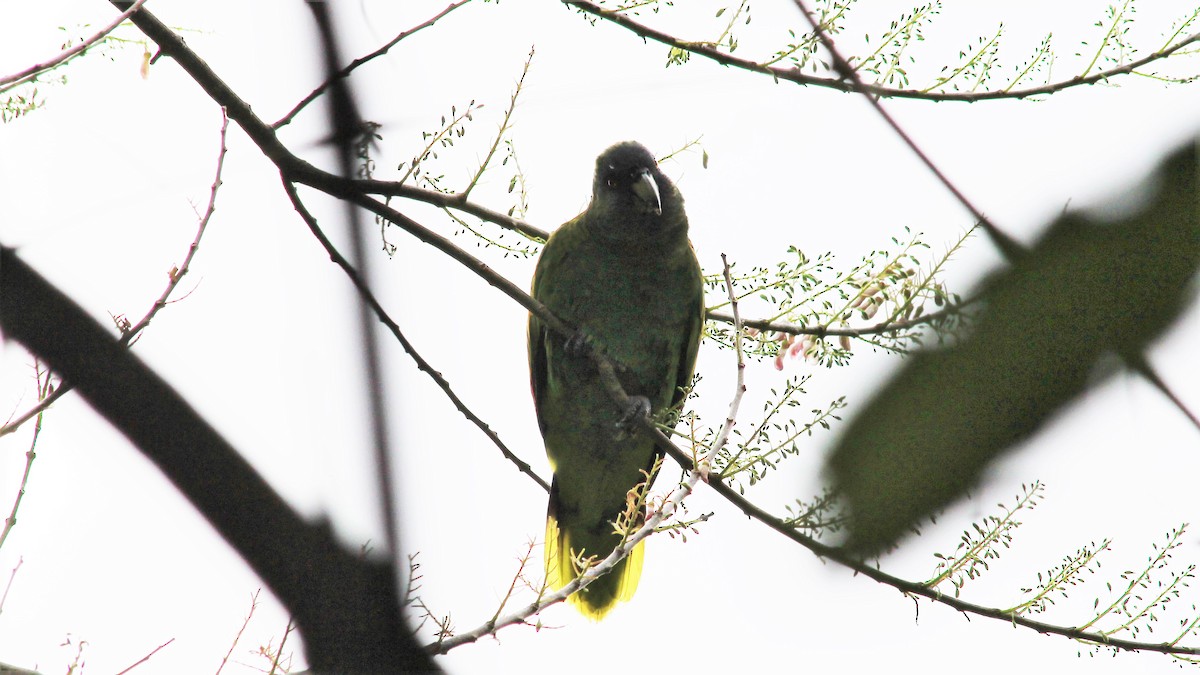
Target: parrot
[625,275]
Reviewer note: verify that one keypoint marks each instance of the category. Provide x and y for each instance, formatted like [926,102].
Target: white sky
[97,190]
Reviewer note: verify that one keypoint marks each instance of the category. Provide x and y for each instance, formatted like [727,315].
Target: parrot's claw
[579,344]
[636,410]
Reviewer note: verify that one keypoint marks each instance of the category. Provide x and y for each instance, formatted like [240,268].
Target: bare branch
[11,578]
[504,127]
[277,655]
[30,455]
[177,273]
[147,657]
[237,638]
[42,406]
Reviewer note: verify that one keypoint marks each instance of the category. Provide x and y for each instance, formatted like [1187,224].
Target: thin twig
[42,406]
[512,587]
[11,577]
[345,72]
[1141,365]
[504,126]
[11,81]
[237,638]
[278,655]
[146,657]
[30,455]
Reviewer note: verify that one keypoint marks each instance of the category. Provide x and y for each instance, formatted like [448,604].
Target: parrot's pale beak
[646,191]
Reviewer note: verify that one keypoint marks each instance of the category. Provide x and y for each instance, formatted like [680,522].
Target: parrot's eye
[612,182]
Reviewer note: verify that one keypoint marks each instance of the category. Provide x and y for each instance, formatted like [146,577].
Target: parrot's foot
[636,410]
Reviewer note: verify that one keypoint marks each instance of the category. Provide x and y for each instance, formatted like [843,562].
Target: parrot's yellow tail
[604,593]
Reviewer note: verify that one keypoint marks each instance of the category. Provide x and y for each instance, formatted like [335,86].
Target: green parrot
[623,272]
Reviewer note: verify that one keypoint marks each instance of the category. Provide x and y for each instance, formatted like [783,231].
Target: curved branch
[853,85]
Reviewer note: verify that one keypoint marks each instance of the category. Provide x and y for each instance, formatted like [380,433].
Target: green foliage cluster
[883,300]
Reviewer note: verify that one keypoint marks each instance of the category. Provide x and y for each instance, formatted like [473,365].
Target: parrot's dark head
[629,183]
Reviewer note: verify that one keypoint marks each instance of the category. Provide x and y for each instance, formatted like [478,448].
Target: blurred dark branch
[791,74]
[347,127]
[350,625]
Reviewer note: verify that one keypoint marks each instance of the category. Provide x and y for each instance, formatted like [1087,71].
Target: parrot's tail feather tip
[599,597]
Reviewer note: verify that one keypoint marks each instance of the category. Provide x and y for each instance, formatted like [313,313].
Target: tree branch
[797,76]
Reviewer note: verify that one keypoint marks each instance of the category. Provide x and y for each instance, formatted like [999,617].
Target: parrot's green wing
[579,427]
